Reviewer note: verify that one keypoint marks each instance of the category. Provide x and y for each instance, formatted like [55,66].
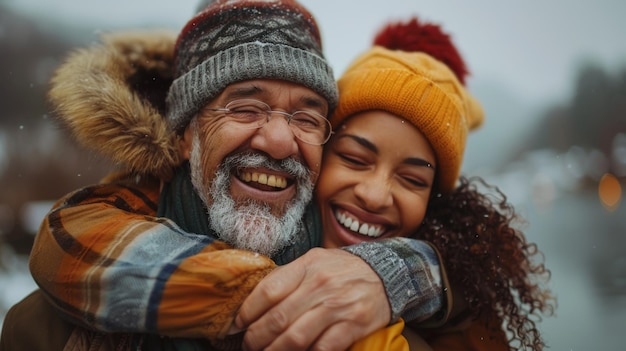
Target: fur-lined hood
[112,98]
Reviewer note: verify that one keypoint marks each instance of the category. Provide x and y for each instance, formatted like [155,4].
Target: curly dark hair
[489,260]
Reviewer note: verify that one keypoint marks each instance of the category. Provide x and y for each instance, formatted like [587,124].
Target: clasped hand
[325,300]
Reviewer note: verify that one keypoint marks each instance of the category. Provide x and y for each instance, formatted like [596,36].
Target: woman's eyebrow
[416,161]
[361,141]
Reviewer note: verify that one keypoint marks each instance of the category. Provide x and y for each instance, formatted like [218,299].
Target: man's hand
[324,300]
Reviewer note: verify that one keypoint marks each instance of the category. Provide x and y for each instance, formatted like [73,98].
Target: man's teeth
[354,225]
[265,179]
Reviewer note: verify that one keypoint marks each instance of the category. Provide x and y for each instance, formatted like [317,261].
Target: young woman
[392,170]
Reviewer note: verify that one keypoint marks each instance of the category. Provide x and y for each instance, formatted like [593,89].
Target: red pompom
[427,38]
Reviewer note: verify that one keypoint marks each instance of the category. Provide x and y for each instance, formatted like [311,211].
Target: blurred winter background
[551,76]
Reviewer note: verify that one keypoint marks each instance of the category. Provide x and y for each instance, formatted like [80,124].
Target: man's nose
[374,192]
[276,138]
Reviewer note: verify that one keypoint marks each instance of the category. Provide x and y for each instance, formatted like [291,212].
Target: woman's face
[377,175]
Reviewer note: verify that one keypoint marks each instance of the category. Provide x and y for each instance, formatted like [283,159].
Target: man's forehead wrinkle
[308,100]
[248,90]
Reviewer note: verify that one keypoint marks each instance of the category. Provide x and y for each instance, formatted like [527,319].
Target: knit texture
[420,89]
[411,275]
[232,41]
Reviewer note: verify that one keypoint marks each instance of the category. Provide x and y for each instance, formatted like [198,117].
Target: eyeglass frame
[268,112]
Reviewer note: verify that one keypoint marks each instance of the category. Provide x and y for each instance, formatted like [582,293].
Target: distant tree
[597,111]
[28,57]
[592,119]
[38,160]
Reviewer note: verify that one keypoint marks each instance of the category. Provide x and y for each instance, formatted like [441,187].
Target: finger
[269,292]
[305,297]
[304,333]
[293,339]
[278,322]
[325,302]
[300,335]
[339,336]
[332,289]
[329,326]
[233,330]
[347,319]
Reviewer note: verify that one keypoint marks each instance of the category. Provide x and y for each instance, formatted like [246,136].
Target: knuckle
[324,346]
[332,341]
[315,253]
[268,292]
[277,321]
[297,342]
[354,315]
[290,341]
[359,315]
[325,279]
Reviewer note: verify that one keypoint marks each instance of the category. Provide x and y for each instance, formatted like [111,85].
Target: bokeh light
[609,191]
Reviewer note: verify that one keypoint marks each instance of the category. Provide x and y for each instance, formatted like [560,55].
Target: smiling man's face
[256,183]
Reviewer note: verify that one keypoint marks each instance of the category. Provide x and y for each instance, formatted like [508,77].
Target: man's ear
[186,142]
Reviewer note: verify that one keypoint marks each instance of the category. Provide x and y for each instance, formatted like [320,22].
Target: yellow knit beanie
[422,90]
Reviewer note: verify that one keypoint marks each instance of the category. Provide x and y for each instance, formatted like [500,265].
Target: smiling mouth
[267,181]
[356,226]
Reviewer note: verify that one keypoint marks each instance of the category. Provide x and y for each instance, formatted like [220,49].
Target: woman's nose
[374,192]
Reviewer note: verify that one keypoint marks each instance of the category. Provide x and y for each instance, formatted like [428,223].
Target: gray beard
[251,225]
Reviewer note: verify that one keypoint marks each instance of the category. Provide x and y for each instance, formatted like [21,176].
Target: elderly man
[135,262]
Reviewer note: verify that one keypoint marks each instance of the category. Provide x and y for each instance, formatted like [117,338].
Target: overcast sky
[534,46]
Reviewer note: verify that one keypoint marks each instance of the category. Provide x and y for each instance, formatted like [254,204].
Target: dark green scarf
[180,203]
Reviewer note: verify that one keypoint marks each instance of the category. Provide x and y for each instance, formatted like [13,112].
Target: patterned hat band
[194,89]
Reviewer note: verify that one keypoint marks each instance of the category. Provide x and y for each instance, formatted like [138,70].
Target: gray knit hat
[231,41]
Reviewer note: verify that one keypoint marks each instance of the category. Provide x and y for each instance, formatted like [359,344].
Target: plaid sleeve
[411,273]
[107,263]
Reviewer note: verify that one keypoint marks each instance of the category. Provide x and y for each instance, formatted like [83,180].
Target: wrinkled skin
[324,300]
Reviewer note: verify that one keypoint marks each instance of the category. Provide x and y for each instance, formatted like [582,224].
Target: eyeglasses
[308,126]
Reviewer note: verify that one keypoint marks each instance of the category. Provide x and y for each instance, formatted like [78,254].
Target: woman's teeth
[265,179]
[354,225]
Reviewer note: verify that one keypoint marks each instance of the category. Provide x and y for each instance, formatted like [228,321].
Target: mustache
[291,166]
